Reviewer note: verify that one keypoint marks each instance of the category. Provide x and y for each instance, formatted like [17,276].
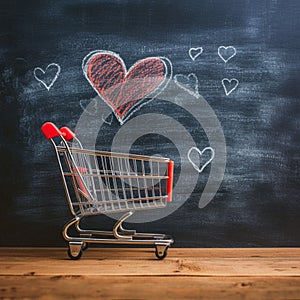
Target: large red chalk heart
[124,90]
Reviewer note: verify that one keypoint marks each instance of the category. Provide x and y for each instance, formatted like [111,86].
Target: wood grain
[132,287]
[47,273]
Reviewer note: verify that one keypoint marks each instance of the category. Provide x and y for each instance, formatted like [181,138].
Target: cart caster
[161,251]
[84,246]
[75,250]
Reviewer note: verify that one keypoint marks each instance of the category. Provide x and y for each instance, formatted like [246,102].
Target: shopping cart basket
[98,182]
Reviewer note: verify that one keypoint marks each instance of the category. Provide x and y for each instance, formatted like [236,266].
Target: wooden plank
[142,262]
[143,253]
[132,287]
[136,274]
[192,267]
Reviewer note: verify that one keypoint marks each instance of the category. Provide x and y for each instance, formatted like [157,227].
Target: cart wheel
[74,256]
[161,251]
[84,246]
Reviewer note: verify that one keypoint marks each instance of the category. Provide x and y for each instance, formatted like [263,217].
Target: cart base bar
[119,236]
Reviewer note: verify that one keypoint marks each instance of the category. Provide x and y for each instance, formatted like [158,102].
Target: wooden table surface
[102,273]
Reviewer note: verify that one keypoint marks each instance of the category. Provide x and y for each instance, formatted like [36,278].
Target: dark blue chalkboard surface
[226,110]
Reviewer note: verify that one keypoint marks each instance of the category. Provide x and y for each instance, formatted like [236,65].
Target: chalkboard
[225,108]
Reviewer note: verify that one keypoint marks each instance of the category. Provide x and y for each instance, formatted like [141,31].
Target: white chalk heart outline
[107,122]
[201,153]
[199,51]
[228,92]
[48,87]
[92,104]
[193,90]
[225,49]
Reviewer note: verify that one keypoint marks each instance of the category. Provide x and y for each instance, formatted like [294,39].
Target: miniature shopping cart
[98,182]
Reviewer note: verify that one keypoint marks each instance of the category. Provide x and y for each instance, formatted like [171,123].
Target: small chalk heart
[226,53]
[89,106]
[196,167]
[229,85]
[109,122]
[187,82]
[48,76]
[195,52]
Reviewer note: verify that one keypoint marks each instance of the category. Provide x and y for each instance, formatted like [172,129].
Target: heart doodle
[47,77]
[187,82]
[125,91]
[108,122]
[89,106]
[201,153]
[195,52]
[226,53]
[229,85]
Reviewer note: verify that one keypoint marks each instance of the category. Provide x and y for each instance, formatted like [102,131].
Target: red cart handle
[170,180]
[68,134]
[50,131]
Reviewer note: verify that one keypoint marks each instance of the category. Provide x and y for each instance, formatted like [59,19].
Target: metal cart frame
[99,182]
